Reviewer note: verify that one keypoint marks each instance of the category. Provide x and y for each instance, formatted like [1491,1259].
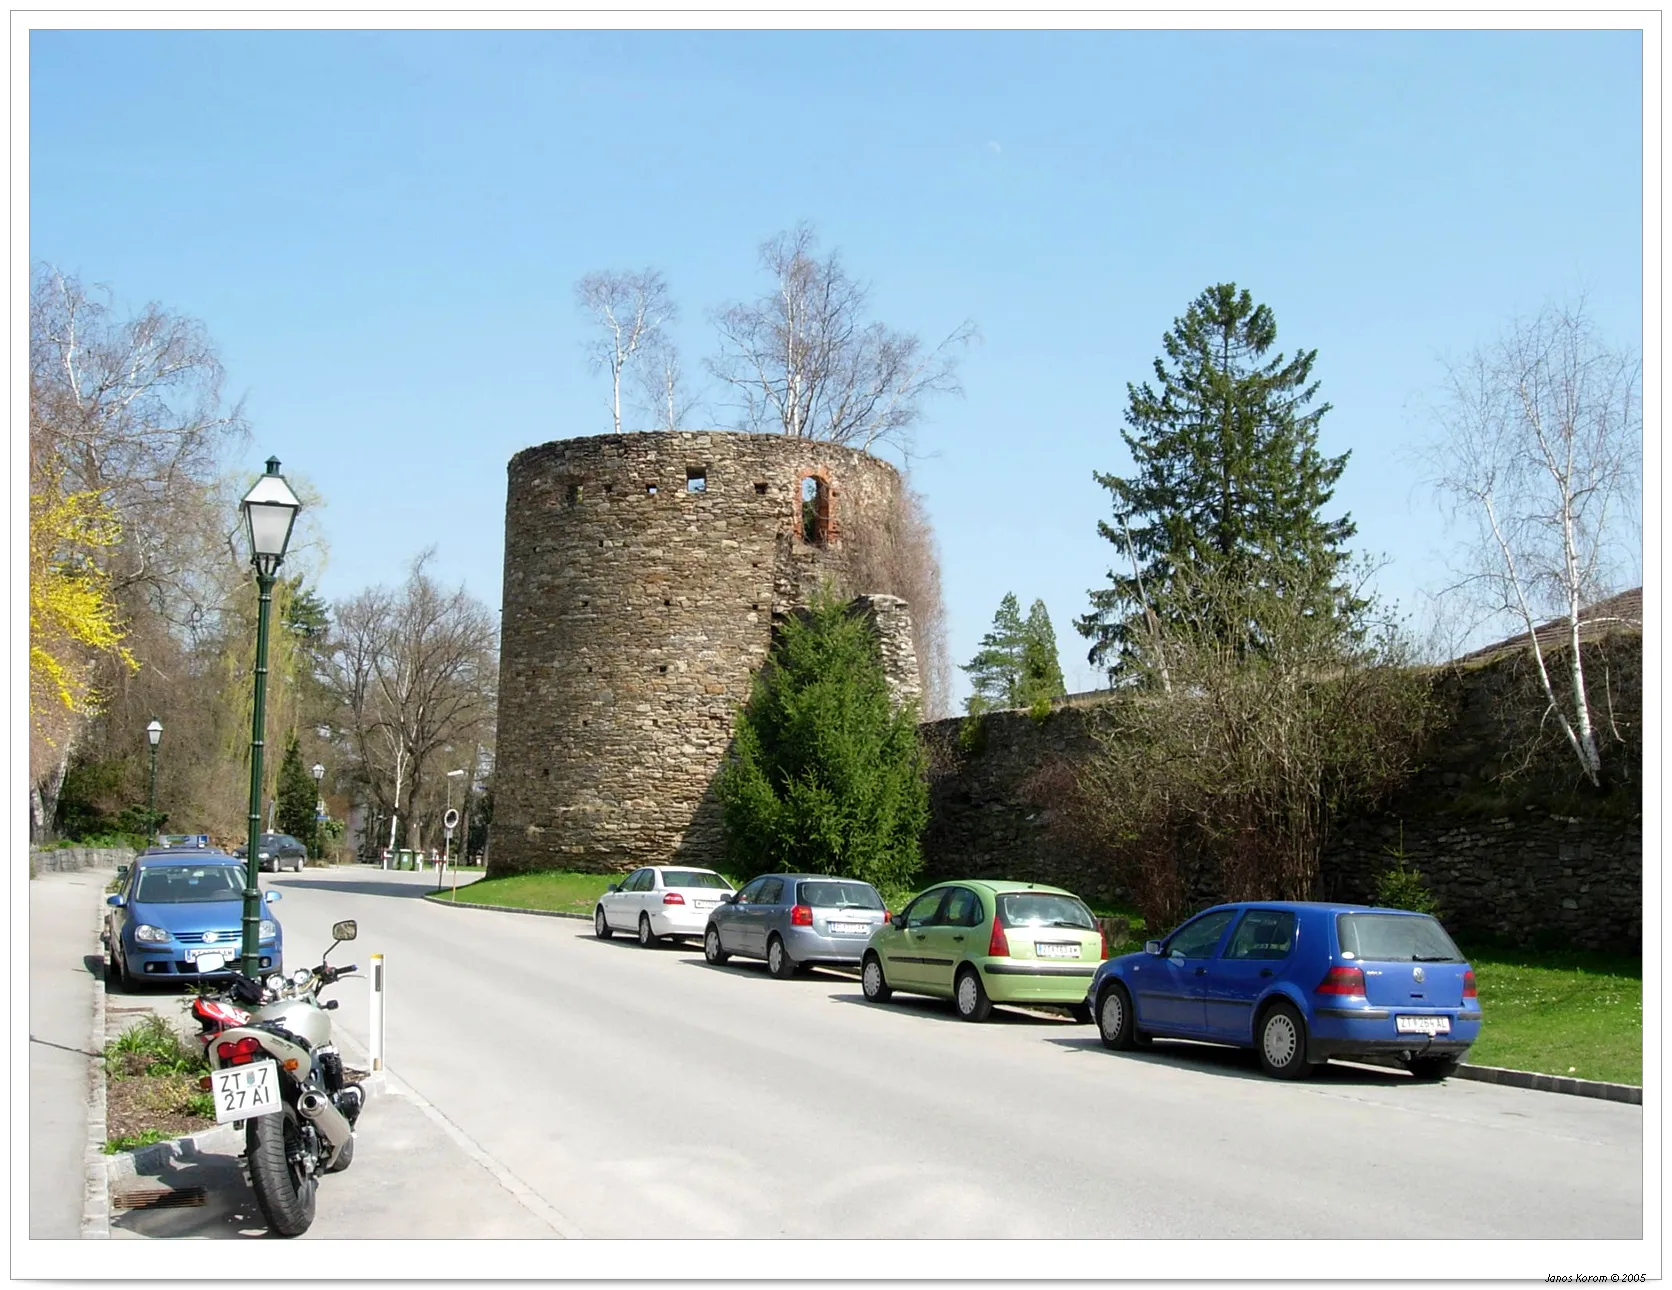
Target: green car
[979,943]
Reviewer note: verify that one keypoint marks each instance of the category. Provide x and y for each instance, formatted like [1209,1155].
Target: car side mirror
[899,921]
[271,896]
[730,898]
[115,902]
[1153,947]
[614,886]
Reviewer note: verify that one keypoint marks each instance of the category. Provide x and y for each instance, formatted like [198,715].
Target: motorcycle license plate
[243,1092]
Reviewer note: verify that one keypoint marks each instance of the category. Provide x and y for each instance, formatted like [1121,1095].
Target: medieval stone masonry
[643,575]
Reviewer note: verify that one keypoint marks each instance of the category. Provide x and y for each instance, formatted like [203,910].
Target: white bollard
[376,1026]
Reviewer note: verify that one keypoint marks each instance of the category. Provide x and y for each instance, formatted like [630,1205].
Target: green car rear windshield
[1395,938]
[1043,909]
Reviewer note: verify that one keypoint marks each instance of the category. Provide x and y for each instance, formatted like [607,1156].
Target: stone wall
[1529,858]
[643,576]
[64,859]
[994,785]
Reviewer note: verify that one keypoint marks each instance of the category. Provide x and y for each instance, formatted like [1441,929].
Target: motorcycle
[273,1067]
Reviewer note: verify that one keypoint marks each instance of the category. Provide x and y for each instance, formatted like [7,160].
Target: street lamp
[154,732]
[319,808]
[269,514]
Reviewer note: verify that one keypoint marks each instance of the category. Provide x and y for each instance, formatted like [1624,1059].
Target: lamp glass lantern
[269,515]
[154,732]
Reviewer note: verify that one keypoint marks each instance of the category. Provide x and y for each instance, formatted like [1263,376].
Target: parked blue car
[1299,983]
[177,905]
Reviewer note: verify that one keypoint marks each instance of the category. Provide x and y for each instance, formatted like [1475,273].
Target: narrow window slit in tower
[650,490]
[696,479]
[760,487]
[815,510]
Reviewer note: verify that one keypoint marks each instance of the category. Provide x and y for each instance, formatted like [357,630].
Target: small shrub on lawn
[1405,888]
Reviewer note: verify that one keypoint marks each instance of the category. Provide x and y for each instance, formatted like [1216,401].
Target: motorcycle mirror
[346,930]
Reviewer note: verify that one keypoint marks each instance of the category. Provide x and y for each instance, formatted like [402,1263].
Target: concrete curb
[1553,1083]
[1483,1074]
[504,909]
[95,1205]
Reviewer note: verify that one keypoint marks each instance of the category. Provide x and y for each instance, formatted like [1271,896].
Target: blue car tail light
[1348,981]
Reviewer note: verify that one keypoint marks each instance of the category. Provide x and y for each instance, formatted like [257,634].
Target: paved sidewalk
[65,970]
[414,1175]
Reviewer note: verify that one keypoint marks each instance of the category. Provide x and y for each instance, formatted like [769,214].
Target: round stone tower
[643,575]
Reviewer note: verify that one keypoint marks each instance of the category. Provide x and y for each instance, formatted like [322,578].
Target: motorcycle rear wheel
[284,1190]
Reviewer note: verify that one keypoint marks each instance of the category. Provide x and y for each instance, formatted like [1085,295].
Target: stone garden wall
[1527,858]
[64,859]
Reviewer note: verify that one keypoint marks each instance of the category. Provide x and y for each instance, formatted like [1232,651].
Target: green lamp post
[154,732]
[269,513]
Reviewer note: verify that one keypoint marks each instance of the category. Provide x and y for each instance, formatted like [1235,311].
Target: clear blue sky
[382,231]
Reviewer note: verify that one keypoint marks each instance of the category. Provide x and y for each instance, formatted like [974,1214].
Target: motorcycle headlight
[152,935]
[269,929]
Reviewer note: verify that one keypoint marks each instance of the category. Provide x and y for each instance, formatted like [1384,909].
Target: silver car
[790,919]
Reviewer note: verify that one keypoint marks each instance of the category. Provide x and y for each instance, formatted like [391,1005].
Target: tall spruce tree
[296,793]
[996,669]
[825,774]
[1228,478]
[1041,679]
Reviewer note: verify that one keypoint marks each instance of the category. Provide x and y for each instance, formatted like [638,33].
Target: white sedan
[660,901]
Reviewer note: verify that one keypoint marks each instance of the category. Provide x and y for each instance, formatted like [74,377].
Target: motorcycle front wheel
[284,1189]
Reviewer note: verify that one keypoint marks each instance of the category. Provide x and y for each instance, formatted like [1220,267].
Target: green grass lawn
[569,893]
[1571,1013]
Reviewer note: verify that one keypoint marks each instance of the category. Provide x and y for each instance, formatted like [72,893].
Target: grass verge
[1560,1013]
[567,893]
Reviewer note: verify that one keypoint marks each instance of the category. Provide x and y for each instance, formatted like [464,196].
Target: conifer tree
[1228,480]
[826,774]
[296,792]
[996,669]
[1041,671]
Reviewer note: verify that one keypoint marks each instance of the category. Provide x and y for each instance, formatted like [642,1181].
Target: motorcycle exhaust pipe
[327,1119]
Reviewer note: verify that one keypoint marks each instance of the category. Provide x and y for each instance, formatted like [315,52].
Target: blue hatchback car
[174,906]
[1298,982]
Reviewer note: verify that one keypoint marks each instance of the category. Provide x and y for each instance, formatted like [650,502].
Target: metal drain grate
[159,1197]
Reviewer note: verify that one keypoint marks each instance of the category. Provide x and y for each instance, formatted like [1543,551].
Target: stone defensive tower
[643,576]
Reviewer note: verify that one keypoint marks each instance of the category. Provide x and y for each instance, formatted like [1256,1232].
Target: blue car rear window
[1395,938]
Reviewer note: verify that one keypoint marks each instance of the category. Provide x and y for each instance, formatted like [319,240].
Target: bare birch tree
[1539,460]
[411,671]
[805,362]
[631,309]
[661,383]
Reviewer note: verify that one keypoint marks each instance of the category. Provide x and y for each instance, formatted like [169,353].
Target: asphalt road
[644,1093]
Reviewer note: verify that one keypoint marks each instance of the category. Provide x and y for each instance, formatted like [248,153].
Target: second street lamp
[269,514]
[154,732]
[318,810]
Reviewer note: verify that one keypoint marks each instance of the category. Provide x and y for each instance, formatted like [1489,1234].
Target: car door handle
[1265,971]
[957,938]
[1202,971]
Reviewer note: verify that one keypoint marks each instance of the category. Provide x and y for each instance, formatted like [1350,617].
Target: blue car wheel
[1282,1042]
